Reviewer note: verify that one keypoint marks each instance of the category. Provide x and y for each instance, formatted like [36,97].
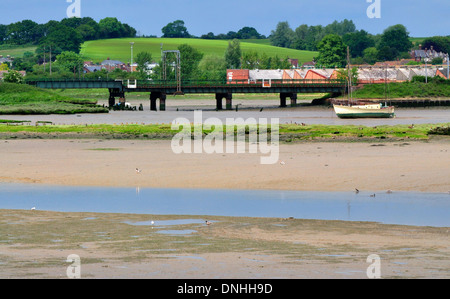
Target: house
[421,55]
[293,62]
[113,64]
[443,72]
[309,64]
[92,68]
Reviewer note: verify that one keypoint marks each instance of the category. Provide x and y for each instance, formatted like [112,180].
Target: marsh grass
[25,99]
[288,132]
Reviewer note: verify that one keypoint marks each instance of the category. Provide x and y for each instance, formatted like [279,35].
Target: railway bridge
[222,89]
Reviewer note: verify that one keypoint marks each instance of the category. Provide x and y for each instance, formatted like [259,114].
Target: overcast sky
[421,18]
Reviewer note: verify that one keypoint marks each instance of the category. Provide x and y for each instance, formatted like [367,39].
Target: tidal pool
[406,208]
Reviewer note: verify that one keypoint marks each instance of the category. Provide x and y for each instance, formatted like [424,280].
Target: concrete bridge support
[113,93]
[229,101]
[162,101]
[283,97]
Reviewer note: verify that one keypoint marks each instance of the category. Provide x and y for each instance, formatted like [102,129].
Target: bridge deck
[222,89]
[171,87]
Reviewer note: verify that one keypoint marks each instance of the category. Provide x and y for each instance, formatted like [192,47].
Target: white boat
[359,110]
[364,111]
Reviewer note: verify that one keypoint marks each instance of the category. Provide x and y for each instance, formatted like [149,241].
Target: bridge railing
[149,84]
[245,83]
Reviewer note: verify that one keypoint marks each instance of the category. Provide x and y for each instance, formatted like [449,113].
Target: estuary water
[404,208]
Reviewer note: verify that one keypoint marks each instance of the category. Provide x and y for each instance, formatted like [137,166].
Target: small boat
[364,111]
[355,110]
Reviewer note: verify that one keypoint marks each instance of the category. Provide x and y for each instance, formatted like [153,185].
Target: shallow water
[308,115]
[407,208]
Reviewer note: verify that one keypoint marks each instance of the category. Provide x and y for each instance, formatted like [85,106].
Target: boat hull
[364,111]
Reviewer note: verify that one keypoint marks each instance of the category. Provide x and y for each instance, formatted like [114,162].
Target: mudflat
[36,244]
[310,166]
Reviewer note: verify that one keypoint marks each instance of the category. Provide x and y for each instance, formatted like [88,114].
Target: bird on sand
[207,222]
[33,208]
[282,162]
[138,170]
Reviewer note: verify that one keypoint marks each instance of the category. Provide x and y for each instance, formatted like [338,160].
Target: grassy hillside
[119,49]
[404,90]
[25,99]
[16,51]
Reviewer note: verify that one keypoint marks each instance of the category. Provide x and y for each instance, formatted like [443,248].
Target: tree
[190,59]
[370,55]
[61,38]
[13,77]
[248,32]
[212,68]
[24,32]
[283,36]
[110,28]
[175,29]
[332,51]
[250,60]
[387,53]
[142,60]
[70,61]
[358,41]
[439,43]
[233,54]
[397,38]
[4,67]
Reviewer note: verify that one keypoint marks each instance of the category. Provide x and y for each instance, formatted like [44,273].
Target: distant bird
[207,222]
[303,124]
[282,163]
[138,170]
[373,195]
[411,126]
[261,110]
[152,222]
[33,208]
[356,190]
[389,192]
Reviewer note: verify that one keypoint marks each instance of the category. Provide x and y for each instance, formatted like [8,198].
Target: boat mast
[349,93]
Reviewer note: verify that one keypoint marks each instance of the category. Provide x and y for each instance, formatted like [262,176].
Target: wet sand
[310,166]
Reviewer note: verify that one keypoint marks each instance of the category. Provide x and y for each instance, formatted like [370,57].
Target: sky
[421,18]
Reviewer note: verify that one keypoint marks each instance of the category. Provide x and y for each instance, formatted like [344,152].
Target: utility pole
[44,59]
[50,60]
[131,64]
[448,67]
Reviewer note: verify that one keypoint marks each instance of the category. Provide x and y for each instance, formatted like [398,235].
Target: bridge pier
[292,96]
[229,101]
[113,93]
[162,101]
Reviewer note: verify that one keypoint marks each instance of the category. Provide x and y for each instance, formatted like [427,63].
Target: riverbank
[309,166]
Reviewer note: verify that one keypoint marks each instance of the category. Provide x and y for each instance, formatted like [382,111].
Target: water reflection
[424,209]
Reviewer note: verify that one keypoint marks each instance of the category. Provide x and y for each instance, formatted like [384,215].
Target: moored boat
[364,111]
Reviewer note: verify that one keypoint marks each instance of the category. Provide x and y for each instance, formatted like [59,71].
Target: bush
[13,77]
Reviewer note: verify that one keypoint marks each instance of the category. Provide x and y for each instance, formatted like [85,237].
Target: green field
[120,49]
[16,51]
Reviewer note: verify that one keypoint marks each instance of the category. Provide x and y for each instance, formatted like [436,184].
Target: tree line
[65,35]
